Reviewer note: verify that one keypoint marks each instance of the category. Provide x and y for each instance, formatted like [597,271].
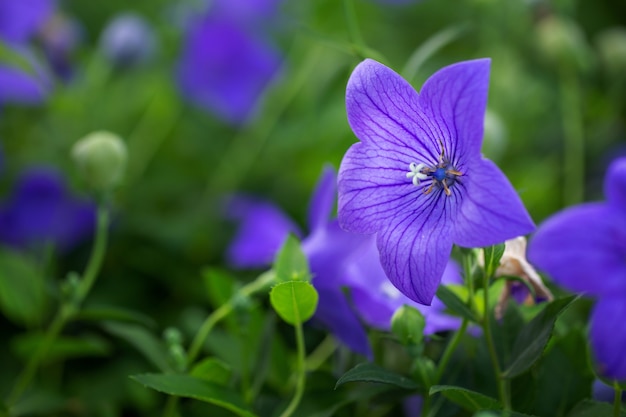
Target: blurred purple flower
[337,260]
[225,64]
[41,211]
[17,86]
[417,178]
[60,37]
[583,248]
[128,40]
[21,19]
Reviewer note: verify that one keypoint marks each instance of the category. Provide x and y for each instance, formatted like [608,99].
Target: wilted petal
[262,230]
[608,340]
[491,211]
[323,199]
[414,252]
[583,249]
[615,185]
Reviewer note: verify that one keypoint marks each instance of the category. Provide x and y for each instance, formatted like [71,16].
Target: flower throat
[442,175]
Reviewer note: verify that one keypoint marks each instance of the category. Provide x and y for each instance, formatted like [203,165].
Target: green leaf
[219,285]
[212,370]
[532,340]
[23,298]
[196,388]
[370,372]
[590,408]
[455,304]
[114,313]
[408,325]
[62,347]
[151,347]
[294,301]
[290,263]
[501,413]
[469,400]
[493,254]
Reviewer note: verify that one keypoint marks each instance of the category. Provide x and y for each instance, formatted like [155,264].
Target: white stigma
[415,172]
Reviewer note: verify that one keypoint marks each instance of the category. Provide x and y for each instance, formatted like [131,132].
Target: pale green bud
[101,158]
[611,44]
[562,42]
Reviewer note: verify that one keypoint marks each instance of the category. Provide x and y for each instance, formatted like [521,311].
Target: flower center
[443,175]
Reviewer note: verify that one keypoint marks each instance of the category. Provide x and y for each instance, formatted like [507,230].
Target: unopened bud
[562,42]
[611,45]
[128,40]
[101,158]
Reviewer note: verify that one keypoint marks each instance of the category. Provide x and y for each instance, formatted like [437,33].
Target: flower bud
[611,44]
[128,40]
[101,159]
[562,42]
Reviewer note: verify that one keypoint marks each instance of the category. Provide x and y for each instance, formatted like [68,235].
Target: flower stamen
[443,175]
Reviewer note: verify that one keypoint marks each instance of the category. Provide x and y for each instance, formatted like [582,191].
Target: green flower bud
[611,44]
[562,42]
[101,158]
[408,325]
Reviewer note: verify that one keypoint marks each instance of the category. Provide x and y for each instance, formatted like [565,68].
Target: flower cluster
[584,249]
[337,260]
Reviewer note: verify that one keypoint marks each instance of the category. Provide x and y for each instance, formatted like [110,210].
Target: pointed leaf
[144,341]
[291,263]
[370,372]
[212,370]
[493,254]
[294,301]
[196,388]
[534,337]
[114,313]
[590,408]
[455,304]
[469,400]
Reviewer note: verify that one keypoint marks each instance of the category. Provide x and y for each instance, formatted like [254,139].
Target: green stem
[68,309]
[574,149]
[500,381]
[617,400]
[301,372]
[321,353]
[353,25]
[262,282]
[447,354]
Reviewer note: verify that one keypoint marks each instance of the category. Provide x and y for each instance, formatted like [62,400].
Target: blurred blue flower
[417,178]
[42,211]
[583,248]
[337,260]
[128,40]
[226,64]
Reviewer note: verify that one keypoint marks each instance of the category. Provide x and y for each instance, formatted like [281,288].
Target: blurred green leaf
[500,413]
[114,313]
[196,388]
[590,408]
[212,370]
[408,325]
[62,347]
[22,289]
[493,254]
[468,399]
[294,301]
[370,372]
[37,402]
[150,346]
[532,340]
[219,285]
[455,304]
[290,263]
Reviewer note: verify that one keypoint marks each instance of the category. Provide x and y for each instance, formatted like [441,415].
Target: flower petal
[263,228]
[583,249]
[455,99]
[414,252]
[491,211]
[615,184]
[323,199]
[21,87]
[608,341]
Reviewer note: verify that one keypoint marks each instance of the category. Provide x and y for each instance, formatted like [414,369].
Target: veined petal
[414,252]
[383,111]
[615,184]
[608,340]
[455,99]
[373,188]
[583,249]
[491,211]
[263,229]
[323,199]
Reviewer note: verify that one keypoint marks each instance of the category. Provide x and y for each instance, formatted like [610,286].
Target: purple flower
[337,260]
[42,211]
[417,178]
[225,64]
[21,19]
[17,86]
[583,248]
[128,40]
